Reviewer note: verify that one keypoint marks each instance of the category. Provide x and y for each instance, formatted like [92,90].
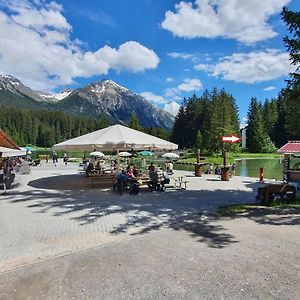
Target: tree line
[201,121]
[45,128]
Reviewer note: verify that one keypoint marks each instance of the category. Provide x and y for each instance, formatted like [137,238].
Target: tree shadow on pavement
[188,210]
[271,216]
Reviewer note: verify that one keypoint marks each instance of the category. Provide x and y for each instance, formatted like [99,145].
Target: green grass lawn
[239,208]
[230,157]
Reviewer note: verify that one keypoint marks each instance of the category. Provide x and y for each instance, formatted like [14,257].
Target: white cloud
[251,67]
[172,108]
[190,85]
[169,79]
[245,21]
[171,92]
[153,97]
[36,48]
[184,56]
[269,88]
[169,106]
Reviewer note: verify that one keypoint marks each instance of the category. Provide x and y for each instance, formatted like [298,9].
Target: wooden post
[261,174]
[224,157]
[197,164]
[118,160]
[224,169]
[198,156]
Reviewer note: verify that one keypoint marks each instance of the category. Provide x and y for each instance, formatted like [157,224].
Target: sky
[164,50]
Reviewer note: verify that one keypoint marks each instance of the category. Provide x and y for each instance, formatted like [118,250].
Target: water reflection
[250,168]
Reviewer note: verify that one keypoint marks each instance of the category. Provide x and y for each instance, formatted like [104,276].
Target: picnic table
[101,176]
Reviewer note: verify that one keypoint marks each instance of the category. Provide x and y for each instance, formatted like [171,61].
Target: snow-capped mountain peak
[105,85]
[56,97]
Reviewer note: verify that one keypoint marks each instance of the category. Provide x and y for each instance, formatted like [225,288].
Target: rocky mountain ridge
[103,98]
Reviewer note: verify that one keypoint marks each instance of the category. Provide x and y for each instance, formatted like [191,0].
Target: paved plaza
[62,237]
[55,210]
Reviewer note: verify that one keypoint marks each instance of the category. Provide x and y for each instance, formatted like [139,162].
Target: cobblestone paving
[41,217]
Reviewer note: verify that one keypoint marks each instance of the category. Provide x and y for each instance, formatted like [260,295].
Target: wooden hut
[291,161]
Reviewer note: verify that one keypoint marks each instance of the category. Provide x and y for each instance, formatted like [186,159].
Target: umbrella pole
[118,160]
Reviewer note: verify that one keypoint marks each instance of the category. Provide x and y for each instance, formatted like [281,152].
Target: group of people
[129,179]
[8,169]
[217,171]
[94,165]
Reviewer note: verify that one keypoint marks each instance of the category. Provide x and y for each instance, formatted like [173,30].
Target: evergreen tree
[179,128]
[257,138]
[270,116]
[135,122]
[292,92]
[198,140]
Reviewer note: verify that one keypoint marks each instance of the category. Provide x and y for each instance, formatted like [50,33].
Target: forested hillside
[44,128]
[202,121]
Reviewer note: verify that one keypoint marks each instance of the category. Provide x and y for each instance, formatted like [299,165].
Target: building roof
[290,147]
[7,141]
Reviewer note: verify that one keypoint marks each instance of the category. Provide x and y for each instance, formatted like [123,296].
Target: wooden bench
[270,190]
[94,177]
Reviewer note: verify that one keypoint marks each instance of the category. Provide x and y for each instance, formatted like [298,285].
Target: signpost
[224,171]
[232,139]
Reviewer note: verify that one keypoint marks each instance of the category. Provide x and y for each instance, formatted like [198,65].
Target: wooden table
[97,177]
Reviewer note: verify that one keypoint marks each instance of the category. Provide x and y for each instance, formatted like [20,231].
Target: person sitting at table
[89,168]
[151,167]
[153,180]
[165,180]
[98,166]
[169,166]
[121,181]
[133,170]
[130,173]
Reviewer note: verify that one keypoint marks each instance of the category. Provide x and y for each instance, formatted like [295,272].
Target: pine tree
[257,138]
[198,140]
[292,92]
[270,116]
[135,122]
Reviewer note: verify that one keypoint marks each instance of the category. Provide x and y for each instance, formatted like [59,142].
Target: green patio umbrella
[145,153]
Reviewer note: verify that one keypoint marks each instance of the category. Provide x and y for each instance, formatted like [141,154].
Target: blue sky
[162,49]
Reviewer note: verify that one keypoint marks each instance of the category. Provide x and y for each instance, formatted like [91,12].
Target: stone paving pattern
[55,210]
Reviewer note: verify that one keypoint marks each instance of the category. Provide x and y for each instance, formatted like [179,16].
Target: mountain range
[105,98]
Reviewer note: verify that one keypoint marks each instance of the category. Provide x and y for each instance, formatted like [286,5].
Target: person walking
[233,168]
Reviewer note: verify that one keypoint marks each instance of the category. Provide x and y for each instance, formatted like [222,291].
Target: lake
[250,167]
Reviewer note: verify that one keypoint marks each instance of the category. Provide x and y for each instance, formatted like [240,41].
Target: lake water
[250,168]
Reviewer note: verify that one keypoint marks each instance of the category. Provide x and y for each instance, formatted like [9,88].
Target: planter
[198,170]
[225,173]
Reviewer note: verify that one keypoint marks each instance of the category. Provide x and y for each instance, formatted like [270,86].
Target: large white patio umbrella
[170,155]
[124,154]
[97,153]
[116,137]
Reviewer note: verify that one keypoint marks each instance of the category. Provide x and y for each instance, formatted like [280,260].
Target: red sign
[230,139]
